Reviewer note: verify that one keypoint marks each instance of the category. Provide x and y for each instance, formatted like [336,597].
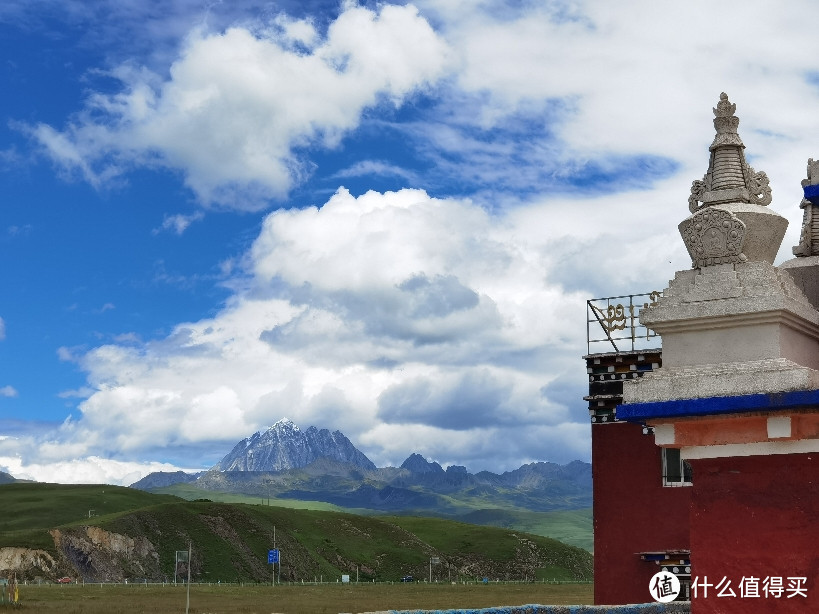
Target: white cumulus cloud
[88,470]
[237,103]
[390,312]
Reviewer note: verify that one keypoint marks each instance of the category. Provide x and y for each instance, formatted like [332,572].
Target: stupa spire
[729,179]
[729,223]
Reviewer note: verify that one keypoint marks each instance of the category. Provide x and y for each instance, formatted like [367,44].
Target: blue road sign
[272,556]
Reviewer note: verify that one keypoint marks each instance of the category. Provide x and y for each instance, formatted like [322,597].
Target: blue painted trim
[812,193]
[637,412]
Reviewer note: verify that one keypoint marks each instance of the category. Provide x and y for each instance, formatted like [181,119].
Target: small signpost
[184,556]
[273,557]
[181,557]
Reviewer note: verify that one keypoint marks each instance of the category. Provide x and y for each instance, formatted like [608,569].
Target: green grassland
[35,505]
[30,509]
[504,545]
[572,527]
[192,493]
[230,540]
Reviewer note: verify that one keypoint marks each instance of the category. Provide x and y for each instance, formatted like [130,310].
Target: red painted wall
[755,516]
[633,512]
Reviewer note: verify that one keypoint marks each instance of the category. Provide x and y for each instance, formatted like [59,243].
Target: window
[676,471]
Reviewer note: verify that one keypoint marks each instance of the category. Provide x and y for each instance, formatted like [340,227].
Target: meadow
[290,598]
[231,540]
[573,527]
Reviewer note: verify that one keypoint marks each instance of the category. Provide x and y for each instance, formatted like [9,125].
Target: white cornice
[762,448]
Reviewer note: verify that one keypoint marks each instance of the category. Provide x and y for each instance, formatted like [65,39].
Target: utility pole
[188,602]
[279,577]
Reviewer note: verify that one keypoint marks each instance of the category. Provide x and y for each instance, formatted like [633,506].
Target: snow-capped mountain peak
[285,446]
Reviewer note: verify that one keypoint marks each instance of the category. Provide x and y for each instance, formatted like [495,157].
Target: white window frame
[682,469]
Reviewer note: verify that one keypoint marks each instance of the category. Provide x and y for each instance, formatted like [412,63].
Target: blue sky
[379,218]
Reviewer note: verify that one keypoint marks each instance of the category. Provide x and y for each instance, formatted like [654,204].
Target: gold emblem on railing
[614,317]
[621,317]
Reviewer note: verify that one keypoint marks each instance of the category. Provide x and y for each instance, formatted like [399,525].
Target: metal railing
[616,319]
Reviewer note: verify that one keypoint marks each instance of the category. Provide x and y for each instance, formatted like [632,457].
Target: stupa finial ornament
[726,123]
[729,179]
[729,222]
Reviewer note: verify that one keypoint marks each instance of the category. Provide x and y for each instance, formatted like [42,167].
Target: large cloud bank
[408,322]
[451,326]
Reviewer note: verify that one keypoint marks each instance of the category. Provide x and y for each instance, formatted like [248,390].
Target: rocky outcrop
[27,563]
[101,556]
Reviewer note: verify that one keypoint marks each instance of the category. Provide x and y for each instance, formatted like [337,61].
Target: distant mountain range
[317,465]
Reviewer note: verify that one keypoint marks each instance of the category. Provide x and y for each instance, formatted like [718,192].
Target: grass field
[190,493]
[290,599]
[573,527]
[231,540]
[28,508]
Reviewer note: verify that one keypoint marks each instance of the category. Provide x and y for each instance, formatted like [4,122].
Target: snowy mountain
[285,446]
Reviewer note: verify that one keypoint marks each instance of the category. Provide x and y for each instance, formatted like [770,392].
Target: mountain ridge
[322,467]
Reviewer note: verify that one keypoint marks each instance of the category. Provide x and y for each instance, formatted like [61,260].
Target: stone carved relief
[698,188]
[758,185]
[714,236]
[805,247]
[759,188]
[809,236]
[813,173]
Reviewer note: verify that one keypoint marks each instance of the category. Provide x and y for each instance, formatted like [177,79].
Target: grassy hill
[231,540]
[573,527]
[30,509]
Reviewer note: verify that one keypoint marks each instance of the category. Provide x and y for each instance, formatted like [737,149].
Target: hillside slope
[31,505]
[230,542]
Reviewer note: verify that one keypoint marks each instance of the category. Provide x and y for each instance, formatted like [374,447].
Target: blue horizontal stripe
[635,412]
